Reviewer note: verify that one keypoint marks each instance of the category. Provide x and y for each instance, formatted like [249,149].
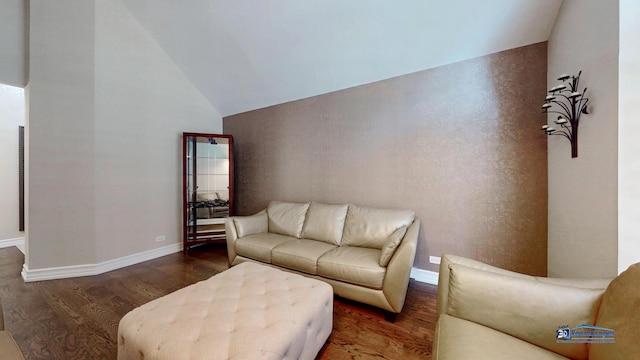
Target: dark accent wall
[458,144]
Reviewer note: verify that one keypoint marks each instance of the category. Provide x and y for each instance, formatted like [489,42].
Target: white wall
[12,116]
[60,125]
[143,104]
[628,136]
[13,37]
[106,111]
[583,208]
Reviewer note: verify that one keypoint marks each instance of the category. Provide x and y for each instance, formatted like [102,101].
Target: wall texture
[583,233]
[458,144]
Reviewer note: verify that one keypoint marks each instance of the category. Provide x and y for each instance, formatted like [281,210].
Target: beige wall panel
[60,124]
[14,40]
[583,191]
[628,135]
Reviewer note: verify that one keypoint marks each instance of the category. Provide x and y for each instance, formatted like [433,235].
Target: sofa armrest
[254,224]
[239,226]
[396,279]
[231,235]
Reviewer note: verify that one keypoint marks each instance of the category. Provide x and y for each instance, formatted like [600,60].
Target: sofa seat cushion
[259,246]
[458,339]
[301,255]
[359,266]
[370,227]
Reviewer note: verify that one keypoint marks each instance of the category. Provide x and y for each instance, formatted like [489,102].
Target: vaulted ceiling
[248,54]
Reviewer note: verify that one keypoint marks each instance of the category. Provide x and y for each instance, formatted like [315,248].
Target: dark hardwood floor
[78,318]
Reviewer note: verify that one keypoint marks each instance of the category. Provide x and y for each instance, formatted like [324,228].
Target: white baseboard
[95,269]
[12,242]
[425,276]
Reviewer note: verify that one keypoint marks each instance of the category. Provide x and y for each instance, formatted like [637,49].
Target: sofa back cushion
[286,218]
[370,227]
[522,307]
[325,222]
[620,312]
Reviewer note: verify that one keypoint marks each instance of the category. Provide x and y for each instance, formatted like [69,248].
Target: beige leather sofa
[365,254]
[490,313]
[9,350]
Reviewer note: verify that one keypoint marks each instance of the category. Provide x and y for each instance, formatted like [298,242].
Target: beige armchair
[489,313]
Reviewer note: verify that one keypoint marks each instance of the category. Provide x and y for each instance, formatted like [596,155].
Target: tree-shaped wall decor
[570,104]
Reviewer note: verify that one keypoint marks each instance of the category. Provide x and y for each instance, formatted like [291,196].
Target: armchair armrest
[526,307]
[443,277]
[522,306]
[447,260]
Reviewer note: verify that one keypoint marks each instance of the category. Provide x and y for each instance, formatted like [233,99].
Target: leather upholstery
[247,312]
[286,218]
[458,339]
[354,265]
[448,259]
[521,307]
[620,311]
[9,349]
[491,313]
[391,245]
[259,246]
[325,222]
[301,255]
[369,227]
[354,272]
[255,224]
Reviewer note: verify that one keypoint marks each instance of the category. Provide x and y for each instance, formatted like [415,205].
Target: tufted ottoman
[250,311]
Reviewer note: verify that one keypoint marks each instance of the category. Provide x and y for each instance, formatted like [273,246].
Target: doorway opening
[12,166]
